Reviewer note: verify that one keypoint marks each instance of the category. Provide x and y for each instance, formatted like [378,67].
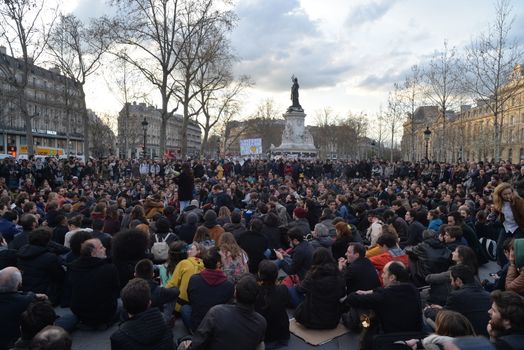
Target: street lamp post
[144,126]
[427,136]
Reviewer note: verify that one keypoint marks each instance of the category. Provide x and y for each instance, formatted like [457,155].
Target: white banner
[250,147]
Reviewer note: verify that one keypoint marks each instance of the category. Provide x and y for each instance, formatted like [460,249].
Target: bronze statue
[294,96]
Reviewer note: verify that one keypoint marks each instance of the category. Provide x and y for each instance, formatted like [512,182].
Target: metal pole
[427,159]
[145,139]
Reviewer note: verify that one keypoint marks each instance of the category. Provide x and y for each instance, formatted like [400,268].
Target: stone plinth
[297,141]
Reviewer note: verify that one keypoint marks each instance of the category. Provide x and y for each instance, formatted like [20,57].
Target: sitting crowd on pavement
[234,249]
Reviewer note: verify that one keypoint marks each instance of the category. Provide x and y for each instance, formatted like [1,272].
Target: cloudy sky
[346,53]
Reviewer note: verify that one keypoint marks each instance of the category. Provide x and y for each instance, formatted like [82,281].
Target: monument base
[297,141]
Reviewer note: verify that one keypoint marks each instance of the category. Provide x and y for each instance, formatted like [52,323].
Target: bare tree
[202,46]
[411,96]
[24,26]
[127,85]
[146,33]
[325,121]
[77,50]
[442,86]
[100,128]
[394,115]
[488,67]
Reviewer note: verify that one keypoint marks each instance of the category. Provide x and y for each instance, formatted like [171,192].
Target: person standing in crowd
[186,186]
[509,207]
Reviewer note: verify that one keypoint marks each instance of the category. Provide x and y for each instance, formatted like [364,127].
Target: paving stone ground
[87,340]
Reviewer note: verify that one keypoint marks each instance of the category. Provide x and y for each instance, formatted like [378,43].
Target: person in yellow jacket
[183,272]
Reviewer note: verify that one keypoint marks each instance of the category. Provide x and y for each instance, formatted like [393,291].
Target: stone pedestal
[297,141]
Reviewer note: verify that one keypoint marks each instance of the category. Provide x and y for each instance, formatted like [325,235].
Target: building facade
[468,135]
[54,103]
[131,132]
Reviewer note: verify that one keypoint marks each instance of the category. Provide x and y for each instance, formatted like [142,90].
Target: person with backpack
[162,239]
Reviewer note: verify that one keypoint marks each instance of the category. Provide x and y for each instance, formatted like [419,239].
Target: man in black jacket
[359,272]
[12,304]
[145,329]
[468,298]
[415,230]
[95,285]
[232,327]
[206,289]
[397,305]
[301,255]
[506,324]
[159,295]
[430,256]
[42,270]
[255,244]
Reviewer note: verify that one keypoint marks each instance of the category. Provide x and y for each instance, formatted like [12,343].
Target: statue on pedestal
[295,106]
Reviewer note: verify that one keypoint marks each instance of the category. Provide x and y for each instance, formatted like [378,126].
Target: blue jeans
[184,205]
[185,314]
[295,297]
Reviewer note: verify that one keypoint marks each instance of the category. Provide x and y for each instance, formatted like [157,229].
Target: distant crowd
[233,249]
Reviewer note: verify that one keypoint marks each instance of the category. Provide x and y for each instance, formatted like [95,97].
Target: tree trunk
[85,118]
[27,119]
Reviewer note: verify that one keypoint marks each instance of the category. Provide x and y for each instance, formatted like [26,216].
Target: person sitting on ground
[255,244]
[321,237]
[388,243]
[184,270]
[343,237]
[210,222]
[159,295]
[451,236]
[42,270]
[202,237]
[232,327]
[322,288]
[429,256]
[52,338]
[94,286]
[515,275]
[271,303]
[298,260]
[236,227]
[440,286]
[397,297]
[506,324]
[12,304]
[359,273]
[448,325]
[38,315]
[187,230]
[206,289]
[145,328]
[415,229]
[467,298]
[234,260]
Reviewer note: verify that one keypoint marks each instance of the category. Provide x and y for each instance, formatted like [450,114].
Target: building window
[522,153]
[510,154]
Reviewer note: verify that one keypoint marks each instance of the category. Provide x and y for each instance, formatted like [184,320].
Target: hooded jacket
[144,331]
[205,290]
[181,276]
[41,269]
[95,289]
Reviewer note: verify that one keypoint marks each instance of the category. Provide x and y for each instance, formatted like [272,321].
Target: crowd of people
[234,248]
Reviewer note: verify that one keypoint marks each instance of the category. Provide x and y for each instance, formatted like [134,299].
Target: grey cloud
[369,12]
[275,39]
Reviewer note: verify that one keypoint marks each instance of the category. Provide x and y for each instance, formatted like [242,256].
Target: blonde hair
[497,195]
[228,243]
[224,212]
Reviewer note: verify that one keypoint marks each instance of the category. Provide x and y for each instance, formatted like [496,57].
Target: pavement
[99,340]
